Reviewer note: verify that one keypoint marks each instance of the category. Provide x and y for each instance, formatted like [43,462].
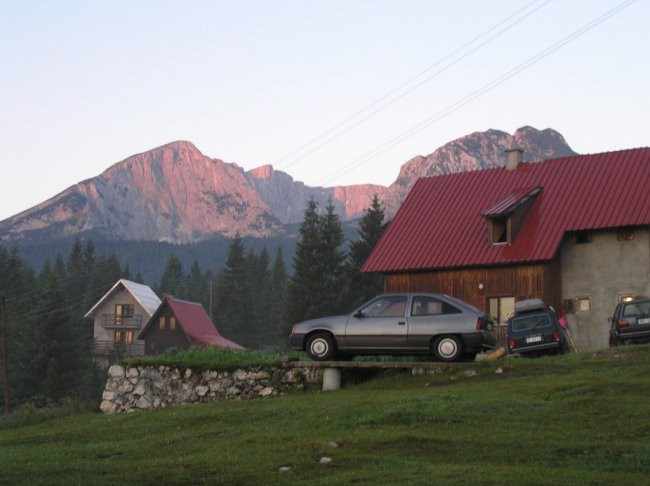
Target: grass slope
[572,419]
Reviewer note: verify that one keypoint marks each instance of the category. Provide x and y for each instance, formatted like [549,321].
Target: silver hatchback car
[414,323]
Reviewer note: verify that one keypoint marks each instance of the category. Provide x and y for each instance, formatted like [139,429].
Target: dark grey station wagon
[414,323]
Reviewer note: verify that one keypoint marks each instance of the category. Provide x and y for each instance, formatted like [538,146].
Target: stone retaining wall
[142,388]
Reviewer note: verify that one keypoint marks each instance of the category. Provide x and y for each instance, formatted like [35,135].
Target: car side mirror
[358,314]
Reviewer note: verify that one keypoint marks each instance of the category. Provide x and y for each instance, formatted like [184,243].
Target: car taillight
[623,323]
[480,324]
[511,343]
[556,336]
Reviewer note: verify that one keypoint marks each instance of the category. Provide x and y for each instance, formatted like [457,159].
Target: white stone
[498,371]
[108,395]
[202,390]
[325,460]
[132,373]
[188,373]
[262,375]
[240,375]
[233,390]
[470,373]
[333,444]
[139,389]
[125,387]
[284,468]
[265,392]
[116,371]
[107,406]
[144,403]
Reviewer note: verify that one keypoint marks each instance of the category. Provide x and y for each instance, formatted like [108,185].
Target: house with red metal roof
[574,231]
[181,324]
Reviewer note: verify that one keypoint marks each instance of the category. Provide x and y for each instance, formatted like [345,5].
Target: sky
[333,92]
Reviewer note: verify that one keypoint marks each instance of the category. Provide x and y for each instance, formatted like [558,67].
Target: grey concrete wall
[603,269]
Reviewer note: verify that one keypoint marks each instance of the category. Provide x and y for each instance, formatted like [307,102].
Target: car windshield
[527,323]
[635,309]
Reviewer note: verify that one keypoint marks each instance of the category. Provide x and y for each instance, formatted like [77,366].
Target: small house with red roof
[181,324]
[574,231]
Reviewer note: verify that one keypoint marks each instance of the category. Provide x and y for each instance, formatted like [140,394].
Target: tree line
[253,299]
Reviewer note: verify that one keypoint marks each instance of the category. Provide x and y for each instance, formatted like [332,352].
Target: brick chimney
[514,157]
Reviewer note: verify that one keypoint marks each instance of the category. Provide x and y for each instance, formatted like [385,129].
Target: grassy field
[581,419]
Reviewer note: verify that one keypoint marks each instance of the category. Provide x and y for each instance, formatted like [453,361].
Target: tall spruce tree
[59,360]
[318,266]
[233,295]
[172,279]
[359,286]
[277,299]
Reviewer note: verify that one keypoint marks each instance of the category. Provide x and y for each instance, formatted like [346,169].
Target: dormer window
[506,216]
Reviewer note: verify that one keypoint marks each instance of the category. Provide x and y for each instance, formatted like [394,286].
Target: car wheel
[320,347]
[448,348]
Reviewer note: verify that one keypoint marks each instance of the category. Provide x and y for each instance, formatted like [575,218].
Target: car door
[379,325]
[432,316]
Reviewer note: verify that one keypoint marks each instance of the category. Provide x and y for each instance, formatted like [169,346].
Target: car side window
[393,306]
[430,306]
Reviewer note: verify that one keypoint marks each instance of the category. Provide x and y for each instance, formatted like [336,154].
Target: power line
[282,166]
[473,95]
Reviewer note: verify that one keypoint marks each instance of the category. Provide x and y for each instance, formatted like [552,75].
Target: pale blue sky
[86,84]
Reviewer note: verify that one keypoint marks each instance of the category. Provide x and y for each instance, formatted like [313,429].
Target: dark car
[631,322]
[535,330]
[412,323]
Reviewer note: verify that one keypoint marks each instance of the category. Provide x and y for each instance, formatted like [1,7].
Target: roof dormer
[506,216]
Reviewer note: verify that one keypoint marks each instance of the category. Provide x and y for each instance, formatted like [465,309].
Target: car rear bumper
[479,341]
[536,347]
[633,334]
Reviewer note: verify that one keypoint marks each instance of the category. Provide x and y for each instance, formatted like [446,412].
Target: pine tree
[361,287]
[233,296]
[277,298]
[59,359]
[172,277]
[331,261]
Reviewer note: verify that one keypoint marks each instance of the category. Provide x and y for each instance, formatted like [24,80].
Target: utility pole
[5,355]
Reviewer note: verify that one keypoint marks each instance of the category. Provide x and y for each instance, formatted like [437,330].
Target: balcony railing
[116,321]
[106,347]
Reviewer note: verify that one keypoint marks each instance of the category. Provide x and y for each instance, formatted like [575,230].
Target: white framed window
[583,304]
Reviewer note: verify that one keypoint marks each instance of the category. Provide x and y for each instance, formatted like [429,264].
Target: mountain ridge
[177,194]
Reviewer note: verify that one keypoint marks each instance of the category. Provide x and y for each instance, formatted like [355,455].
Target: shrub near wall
[131,388]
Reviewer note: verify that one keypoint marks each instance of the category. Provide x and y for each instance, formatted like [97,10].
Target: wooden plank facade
[477,285]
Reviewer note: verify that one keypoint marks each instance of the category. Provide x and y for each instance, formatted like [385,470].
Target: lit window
[161,323]
[128,337]
[583,304]
[501,308]
[172,323]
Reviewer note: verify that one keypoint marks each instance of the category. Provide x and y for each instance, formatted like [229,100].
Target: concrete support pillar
[331,379]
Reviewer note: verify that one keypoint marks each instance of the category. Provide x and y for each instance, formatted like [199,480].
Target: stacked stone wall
[143,387]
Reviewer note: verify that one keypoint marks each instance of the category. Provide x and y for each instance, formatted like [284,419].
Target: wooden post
[5,355]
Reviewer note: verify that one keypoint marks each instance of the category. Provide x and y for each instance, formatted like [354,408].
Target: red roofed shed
[181,324]
[495,236]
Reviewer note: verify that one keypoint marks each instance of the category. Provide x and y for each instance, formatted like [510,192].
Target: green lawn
[582,419]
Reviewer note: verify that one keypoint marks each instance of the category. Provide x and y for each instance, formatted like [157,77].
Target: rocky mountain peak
[176,193]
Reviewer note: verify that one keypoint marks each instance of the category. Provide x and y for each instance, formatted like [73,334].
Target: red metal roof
[195,322]
[440,225]
[511,201]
